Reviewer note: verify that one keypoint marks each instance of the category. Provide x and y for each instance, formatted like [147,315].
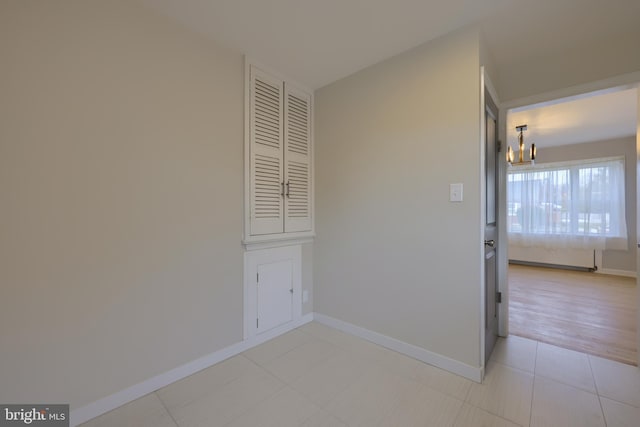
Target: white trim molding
[610,271]
[481,188]
[267,242]
[106,404]
[620,82]
[614,272]
[467,371]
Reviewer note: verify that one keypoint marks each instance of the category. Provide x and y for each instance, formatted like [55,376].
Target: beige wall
[393,255]
[490,68]
[121,186]
[615,260]
[121,140]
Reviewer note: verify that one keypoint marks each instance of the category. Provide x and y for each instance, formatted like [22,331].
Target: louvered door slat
[279,156]
[297,139]
[266,152]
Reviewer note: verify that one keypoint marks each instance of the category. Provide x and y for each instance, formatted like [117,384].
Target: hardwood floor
[588,312]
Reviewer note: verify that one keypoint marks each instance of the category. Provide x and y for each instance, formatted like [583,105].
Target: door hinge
[256,323]
[291,290]
[499,146]
[498,297]
[257,277]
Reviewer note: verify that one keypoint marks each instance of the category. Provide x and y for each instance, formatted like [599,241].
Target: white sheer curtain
[578,204]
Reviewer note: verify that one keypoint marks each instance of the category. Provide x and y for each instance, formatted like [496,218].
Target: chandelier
[532,150]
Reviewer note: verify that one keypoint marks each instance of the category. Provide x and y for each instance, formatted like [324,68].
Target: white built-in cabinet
[278,214]
[279,158]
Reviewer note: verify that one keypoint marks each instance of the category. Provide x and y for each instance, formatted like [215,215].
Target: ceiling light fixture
[532,150]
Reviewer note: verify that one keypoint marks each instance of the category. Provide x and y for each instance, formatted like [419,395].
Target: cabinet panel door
[275,294]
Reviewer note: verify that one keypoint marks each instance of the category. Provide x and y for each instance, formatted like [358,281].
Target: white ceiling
[599,117]
[316,42]
[530,30]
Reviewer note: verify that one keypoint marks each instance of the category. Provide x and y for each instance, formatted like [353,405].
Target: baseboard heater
[568,259]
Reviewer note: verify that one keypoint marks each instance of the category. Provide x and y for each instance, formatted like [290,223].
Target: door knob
[490,243]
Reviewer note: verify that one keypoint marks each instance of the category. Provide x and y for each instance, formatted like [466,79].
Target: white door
[297,146]
[272,289]
[266,161]
[275,294]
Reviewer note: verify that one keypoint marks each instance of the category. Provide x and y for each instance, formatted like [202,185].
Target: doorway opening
[582,311]
[595,310]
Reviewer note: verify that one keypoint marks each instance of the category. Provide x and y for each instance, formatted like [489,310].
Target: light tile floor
[316,376]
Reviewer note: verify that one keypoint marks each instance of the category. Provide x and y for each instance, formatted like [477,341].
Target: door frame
[491,227]
[486,83]
[625,81]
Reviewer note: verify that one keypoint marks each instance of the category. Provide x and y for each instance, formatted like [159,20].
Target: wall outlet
[305,296]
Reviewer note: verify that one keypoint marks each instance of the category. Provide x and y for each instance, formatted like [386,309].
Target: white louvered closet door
[297,156]
[267,166]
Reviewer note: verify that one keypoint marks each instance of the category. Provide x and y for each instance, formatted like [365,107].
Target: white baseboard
[106,404]
[471,372]
[614,272]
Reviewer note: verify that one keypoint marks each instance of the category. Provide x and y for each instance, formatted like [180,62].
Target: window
[279,149]
[578,204]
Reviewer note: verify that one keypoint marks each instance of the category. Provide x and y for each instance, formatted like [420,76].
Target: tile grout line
[568,383]
[466,395]
[455,420]
[486,410]
[268,372]
[164,405]
[482,384]
[312,336]
[533,383]
[595,384]
[279,356]
[260,401]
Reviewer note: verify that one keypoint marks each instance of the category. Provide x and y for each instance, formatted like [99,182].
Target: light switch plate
[455,192]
